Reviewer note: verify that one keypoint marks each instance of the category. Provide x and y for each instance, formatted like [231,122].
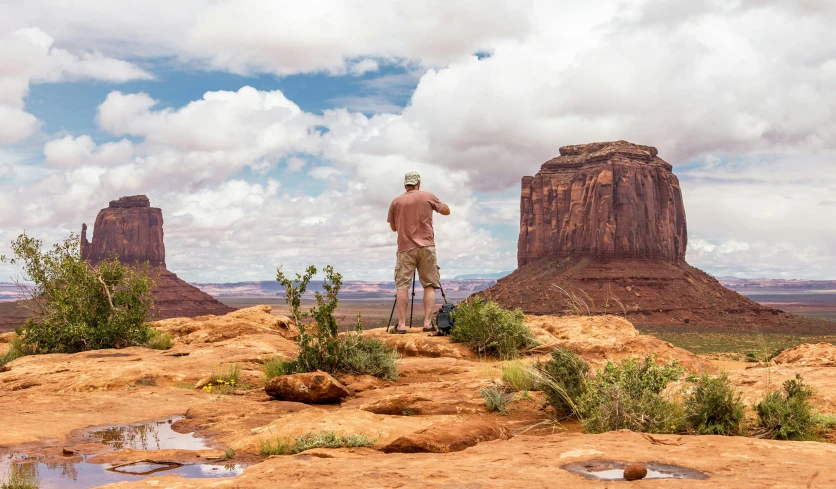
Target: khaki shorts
[424,260]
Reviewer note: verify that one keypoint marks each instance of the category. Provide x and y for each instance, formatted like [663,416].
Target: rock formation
[130,229]
[603,200]
[602,230]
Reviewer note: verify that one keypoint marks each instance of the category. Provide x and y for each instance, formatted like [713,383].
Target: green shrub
[21,476]
[368,356]
[310,441]
[80,307]
[519,376]
[15,351]
[714,407]
[159,340]
[825,421]
[320,345]
[787,415]
[628,395]
[488,329]
[563,380]
[497,398]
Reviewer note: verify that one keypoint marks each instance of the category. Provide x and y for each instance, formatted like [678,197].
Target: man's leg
[403,301]
[429,304]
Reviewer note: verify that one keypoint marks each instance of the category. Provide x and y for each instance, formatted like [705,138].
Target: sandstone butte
[430,428]
[605,223]
[132,230]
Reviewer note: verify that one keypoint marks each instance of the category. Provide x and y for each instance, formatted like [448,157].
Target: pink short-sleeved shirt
[412,215]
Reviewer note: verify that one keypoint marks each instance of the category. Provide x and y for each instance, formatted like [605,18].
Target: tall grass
[519,375]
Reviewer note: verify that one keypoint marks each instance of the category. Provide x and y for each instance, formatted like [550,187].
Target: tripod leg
[412,307]
[392,314]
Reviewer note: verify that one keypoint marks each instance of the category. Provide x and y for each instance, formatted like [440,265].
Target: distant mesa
[605,222]
[133,230]
[130,229]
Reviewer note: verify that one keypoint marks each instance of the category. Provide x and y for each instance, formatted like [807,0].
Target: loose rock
[634,472]
[309,388]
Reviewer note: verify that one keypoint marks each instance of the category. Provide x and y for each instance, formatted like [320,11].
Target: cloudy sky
[276,132]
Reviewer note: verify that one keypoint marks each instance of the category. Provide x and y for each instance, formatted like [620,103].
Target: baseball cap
[412,178]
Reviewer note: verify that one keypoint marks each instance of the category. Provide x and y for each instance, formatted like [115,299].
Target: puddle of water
[148,436]
[84,475]
[158,435]
[613,470]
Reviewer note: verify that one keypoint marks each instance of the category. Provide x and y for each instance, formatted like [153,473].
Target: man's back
[411,213]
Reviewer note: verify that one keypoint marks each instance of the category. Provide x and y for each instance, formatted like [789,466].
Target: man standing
[411,216]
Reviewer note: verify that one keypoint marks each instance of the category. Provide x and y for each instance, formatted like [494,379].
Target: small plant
[229,453]
[15,351]
[575,303]
[368,356]
[159,340]
[519,376]
[79,307]
[826,421]
[491,330]
[497,398]
[224,379]
[21,476]
[563,379]
[320,345]
[713,407]
[628,395]
[787,415]
[310,441]
[276,367]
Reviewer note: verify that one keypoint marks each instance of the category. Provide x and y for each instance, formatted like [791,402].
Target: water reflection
[56,474]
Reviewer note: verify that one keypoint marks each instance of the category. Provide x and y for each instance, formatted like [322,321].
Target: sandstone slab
[447,438]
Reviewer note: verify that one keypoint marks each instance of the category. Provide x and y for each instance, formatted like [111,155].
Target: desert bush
[787,414]
[519,376]
[628,395]
[159,340]
[299,444]
[497,398]
[488,329]
[563,379]
[714,407]
[320,345]
[78,307]
[21,476]
[368,356]
[826,421]
[15,351]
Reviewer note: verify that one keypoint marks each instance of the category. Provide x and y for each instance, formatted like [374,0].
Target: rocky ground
[430,427]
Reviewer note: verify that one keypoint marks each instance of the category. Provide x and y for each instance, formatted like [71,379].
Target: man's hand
[445,211]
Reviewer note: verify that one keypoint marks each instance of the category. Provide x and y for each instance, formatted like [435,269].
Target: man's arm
[394,228]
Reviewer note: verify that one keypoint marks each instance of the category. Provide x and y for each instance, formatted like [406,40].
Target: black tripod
[411,308]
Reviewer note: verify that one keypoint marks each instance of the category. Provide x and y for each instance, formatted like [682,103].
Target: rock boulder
[309,388]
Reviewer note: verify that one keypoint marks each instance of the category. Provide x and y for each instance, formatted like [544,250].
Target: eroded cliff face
[602,200]
[128,228]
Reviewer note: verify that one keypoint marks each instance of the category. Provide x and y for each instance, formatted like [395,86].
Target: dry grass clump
[519,376]
[159,340]
[298,444]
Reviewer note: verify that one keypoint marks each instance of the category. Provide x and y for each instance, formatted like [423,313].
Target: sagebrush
[714,407]
[79,307]
[488,329]
[787,414]
[629,395]
[564,381]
